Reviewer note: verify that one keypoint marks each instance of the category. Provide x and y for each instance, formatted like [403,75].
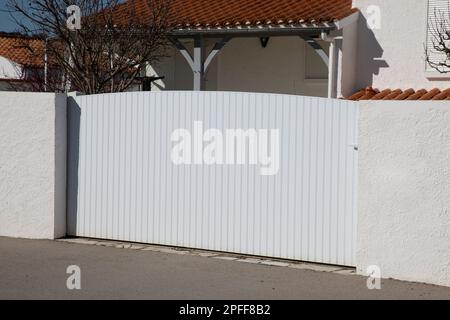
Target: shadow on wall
[73,147]
[161,69]
[370,54]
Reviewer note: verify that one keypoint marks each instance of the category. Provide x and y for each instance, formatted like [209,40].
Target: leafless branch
[112,49]
[439,43]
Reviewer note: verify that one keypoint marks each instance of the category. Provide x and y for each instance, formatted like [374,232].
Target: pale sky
[7,24]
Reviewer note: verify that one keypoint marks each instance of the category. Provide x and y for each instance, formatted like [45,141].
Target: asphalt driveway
[36,269]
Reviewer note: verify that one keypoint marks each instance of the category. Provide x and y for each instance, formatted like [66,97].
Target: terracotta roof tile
[405,94]
[364,94]
[357,96]
[22,50]
[381,95]
[417,95]
[216,13]
[398,94]
[443,95]
[430,94]
[393,95]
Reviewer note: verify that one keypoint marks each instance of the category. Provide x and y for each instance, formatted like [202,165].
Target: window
[438,31]
[315,68]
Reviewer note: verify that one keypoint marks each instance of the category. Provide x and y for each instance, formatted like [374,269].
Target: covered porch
[291,47]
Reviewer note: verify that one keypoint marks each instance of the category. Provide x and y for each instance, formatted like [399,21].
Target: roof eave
[253,31]
[347,21]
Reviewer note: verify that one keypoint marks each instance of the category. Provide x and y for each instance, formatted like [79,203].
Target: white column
[333,67]
[198,69]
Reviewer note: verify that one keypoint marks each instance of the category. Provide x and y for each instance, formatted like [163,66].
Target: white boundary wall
[32,165]
[404,181]
[404,190]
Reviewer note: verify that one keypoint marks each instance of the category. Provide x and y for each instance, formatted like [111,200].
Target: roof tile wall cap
[393,94]
[368,95]
[363,93]
[443,95]
[382,94]
[405,94]
[357,95]
[417,95]
[409,94]
[430,94]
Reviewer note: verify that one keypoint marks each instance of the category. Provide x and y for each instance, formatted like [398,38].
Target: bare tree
[108,53]
[36,73]
[439,41]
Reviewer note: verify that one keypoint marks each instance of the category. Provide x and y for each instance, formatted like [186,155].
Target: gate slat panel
[123,185]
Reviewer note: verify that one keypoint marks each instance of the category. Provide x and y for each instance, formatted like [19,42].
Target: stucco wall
[404,190]
[347,79]
[244,65]
[393,56]
[177,73]
[32,165]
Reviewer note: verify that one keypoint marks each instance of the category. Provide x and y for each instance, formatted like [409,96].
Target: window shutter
[436,10]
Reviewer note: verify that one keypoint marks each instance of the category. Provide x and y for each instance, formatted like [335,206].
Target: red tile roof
[398,94]
[216,13]
[22,50]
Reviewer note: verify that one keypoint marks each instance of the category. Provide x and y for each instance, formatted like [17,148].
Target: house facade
[391,52]
[378,44]
[286,46]
[356,49]
[21,62]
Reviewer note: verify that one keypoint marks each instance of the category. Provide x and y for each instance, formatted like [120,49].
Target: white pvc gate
[123,184]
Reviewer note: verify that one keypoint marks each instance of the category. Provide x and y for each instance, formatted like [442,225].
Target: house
[357,49]
[391,54]
[25,66]
[21,61]
[248,45]
[327,48]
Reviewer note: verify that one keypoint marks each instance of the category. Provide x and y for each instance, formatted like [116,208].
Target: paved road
[33,269]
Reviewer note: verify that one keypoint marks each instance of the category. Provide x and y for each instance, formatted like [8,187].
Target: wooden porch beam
[199,65]
[317,48]
[215,50]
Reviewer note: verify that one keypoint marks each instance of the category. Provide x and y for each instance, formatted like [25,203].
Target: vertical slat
[127,188]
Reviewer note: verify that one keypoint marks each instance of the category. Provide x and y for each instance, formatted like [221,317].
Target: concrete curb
[215,255]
